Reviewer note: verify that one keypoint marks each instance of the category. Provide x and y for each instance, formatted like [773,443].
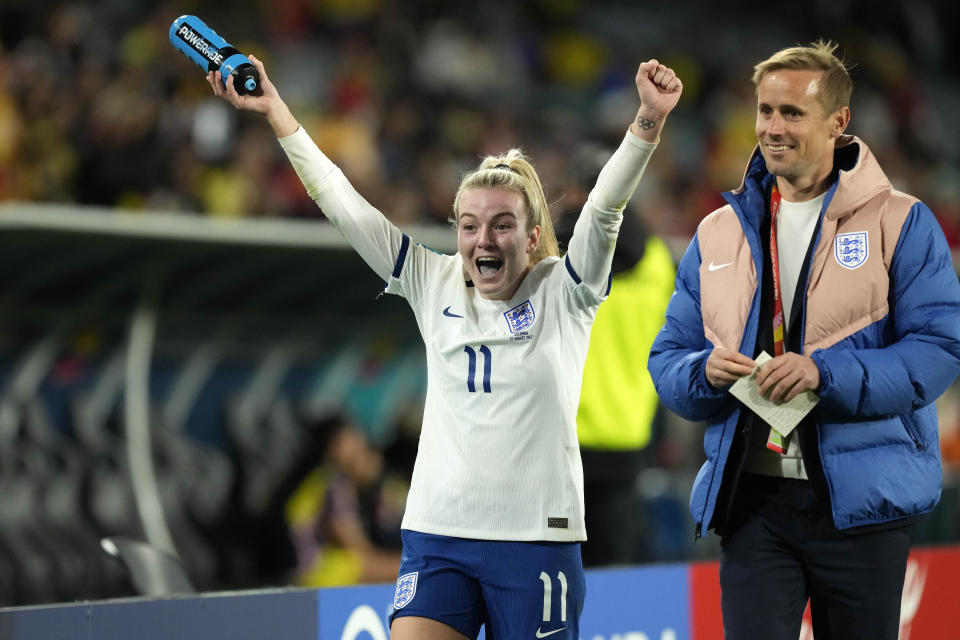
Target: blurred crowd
[96,107]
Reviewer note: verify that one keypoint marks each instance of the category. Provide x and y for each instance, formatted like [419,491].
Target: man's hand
[726,366]
[785,377]
[659,89]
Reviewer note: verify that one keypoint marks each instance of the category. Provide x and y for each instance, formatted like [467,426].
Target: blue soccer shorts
[522,590]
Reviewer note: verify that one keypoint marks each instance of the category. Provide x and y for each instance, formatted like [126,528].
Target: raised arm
[595,233]
[659,89]
[373,236]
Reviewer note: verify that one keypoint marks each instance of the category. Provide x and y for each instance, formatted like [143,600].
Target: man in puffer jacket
[850,285]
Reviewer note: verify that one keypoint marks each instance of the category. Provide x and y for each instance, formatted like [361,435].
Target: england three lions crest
[406,589]
[851,249]
[521,317]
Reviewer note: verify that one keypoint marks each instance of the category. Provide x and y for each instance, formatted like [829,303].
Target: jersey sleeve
[375,238]
[414,270]
[595,233]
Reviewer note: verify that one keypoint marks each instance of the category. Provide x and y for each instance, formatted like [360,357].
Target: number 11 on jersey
[472,368]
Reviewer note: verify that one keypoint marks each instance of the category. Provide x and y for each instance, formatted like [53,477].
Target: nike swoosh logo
[715,267]
[450,314]
[541,634]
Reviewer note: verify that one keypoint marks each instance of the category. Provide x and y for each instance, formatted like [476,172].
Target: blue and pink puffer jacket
[880,318]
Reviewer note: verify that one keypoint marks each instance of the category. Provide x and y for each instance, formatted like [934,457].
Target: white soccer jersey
[498,457]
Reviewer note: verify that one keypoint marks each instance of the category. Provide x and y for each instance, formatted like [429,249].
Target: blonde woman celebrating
[494,516]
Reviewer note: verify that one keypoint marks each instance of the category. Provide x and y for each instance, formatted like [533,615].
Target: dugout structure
[153,371]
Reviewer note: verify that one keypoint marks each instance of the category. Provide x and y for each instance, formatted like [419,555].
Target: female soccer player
[494,516]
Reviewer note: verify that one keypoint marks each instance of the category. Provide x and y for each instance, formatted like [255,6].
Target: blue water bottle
[194,39]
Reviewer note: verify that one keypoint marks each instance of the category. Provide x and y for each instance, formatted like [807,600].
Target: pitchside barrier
[665,602]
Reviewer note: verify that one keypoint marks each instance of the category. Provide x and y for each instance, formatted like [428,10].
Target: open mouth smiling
[488,266]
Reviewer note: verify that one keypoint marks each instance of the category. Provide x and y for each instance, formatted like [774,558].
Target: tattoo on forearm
[643,123]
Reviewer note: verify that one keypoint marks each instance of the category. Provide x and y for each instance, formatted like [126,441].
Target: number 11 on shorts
[548,592]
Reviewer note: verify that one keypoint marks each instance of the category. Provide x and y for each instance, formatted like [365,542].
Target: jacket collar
[858,179]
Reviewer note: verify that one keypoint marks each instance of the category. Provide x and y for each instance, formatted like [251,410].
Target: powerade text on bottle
[194,39]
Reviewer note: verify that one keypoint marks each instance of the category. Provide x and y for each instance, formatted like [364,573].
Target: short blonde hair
[836,87]
[514,172]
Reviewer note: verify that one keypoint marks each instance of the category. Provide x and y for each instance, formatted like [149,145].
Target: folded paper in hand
[782,417]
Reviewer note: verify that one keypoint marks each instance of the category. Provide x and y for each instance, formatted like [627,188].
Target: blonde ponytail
[514,172]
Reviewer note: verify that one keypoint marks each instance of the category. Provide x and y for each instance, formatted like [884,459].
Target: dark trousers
[780,548]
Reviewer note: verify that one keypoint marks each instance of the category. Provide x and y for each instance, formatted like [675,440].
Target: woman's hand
[265,101]
[659,89]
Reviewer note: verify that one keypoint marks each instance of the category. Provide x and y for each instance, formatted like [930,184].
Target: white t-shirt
[795,224]
[498,457]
